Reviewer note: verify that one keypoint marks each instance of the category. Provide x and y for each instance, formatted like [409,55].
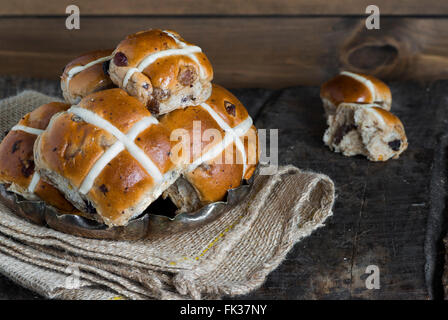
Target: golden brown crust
[117,107]
[17,161]
[70,147]
[86,58]
[40,118]
[16,158]
[389,117]
[53,197]
[185,119]
[344,88]
[253,151]
[166,76]
[382,91]
[212,179]
[157,138]
[120,184]
[227,106]
[92,79]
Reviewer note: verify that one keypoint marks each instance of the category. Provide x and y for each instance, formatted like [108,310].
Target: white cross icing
[233,136]
[364,81]
[26,129]
[75,70]
[185,50]
[125,141]
[34,182]
[36,177]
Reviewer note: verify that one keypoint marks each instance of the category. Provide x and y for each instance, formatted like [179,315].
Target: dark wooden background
[251,43]
[390,214]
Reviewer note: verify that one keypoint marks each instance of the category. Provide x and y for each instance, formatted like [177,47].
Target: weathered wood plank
[11,291]
[445,271]
[381,212]
[265,52]
[222,7]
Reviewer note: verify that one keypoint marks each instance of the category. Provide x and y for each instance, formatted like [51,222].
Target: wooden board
[382,210]
[222,7]
[386,214]
[261,51]
[445,271]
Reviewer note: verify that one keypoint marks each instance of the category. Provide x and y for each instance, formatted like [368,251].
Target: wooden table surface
[386,214]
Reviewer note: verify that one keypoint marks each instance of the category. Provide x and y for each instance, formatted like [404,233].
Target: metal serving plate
[146,226]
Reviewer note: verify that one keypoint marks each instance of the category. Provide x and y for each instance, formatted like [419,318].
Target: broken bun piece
[112,158]
[354,88]
[366,129]
[161,70]
[86,74]
[17,162]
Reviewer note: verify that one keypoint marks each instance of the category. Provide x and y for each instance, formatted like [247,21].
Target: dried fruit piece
[154,107]
[342,131]
[187,75]
[230,108]
[103,189]
[27,168]
[120,59]
[161,94]
[395,144]
[16,146]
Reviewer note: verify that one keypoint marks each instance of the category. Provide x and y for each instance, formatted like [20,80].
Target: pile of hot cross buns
[358,117]
[139,123]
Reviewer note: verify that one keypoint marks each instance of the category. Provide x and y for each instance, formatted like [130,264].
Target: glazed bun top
[86,74]
[17,161]
[40,117]
[356,88]
[388,117]
[156,52]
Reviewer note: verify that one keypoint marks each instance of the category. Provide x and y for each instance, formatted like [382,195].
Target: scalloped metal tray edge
[146,226]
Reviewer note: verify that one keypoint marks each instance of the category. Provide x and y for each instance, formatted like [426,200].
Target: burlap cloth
[230,256]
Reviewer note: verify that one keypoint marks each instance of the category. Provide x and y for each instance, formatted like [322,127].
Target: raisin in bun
[354,88]
[86,74]
[225,161]
[366,129]
[17,162]
[112,158]
[161,70]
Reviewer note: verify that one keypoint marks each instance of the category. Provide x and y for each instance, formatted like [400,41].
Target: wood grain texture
[223,7]
[381,212]
[382,209]
[445,271]
[268,52]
